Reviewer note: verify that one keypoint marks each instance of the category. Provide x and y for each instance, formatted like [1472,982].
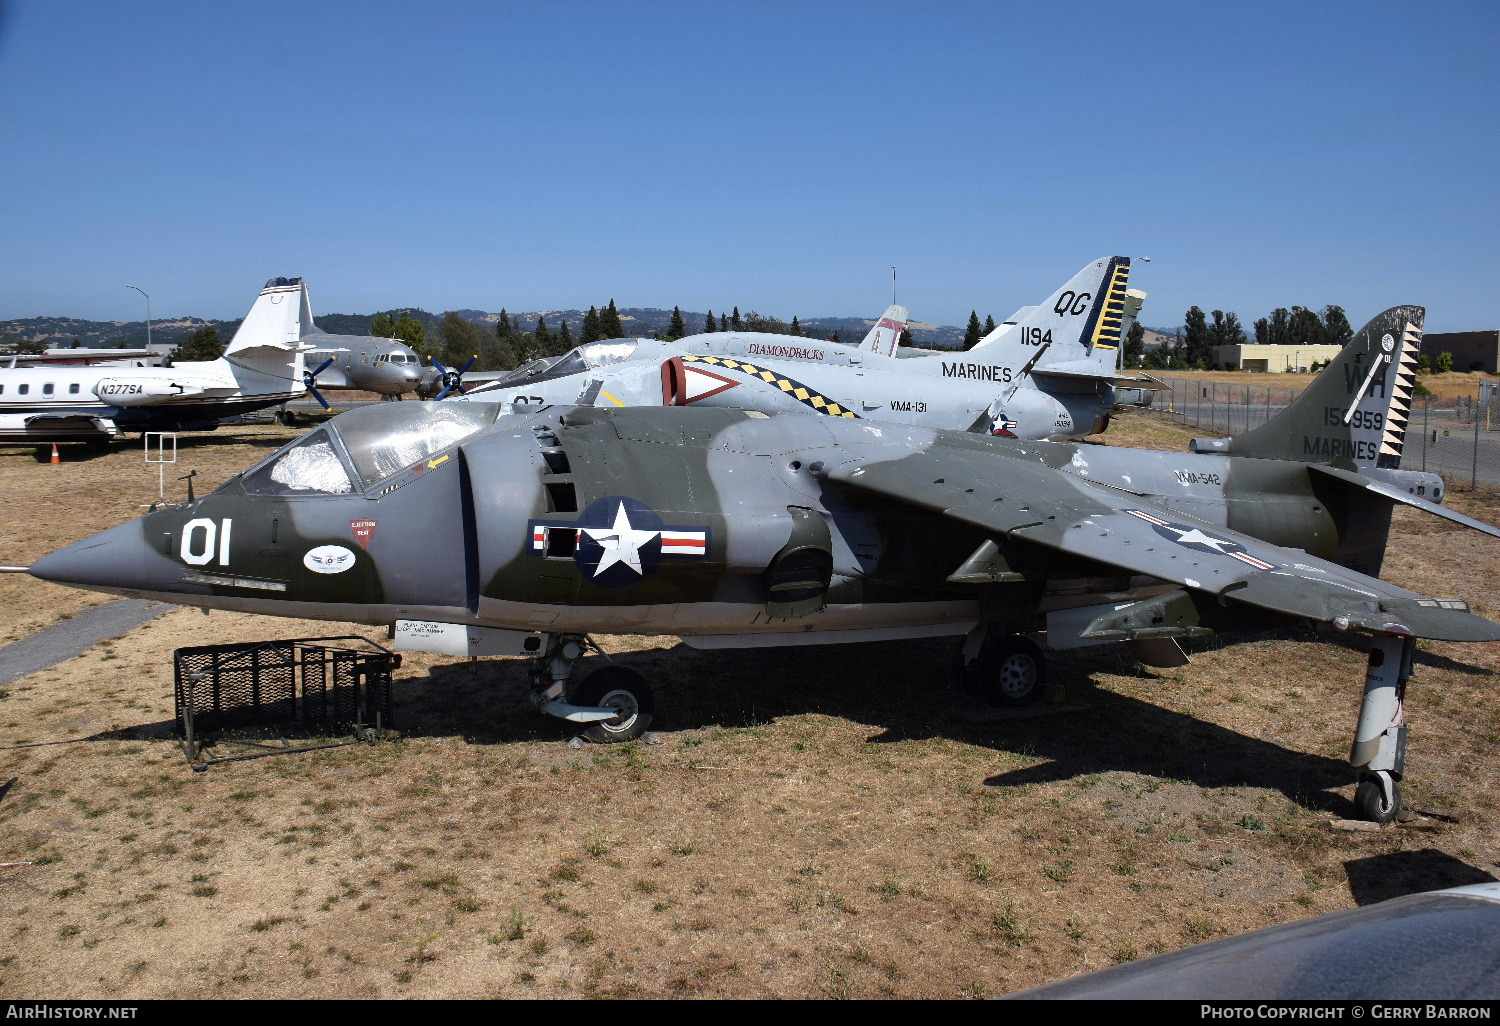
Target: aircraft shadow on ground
[904,688]
[1382,877]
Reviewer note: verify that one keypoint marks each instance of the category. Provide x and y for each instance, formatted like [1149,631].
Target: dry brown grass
[1454,384]
[819,823]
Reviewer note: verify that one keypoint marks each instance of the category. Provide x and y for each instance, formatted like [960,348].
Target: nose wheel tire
[623,690]
[1378,798]
[1011,671]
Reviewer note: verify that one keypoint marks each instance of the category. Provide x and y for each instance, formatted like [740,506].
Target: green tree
[1135,345]
[973,333]
[1226,330]
[676,328]
[201,345]
[382,326]
[1277,328]
[734,320]
[590,330]
[1336,327]
[1197,343]
[723,322]
[503,327]
[544,344]
[459,338]
[1305,329]
[709,324]
[989,323]
[906,339]
[753,321]
[1424,364]
[610,325]
[1444,363]
[413,333]
[796,328]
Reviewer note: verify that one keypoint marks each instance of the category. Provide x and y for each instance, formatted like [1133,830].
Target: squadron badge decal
[617,540]
[1200,540]
[328,559]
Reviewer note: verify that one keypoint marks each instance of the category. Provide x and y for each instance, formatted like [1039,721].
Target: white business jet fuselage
[262,366]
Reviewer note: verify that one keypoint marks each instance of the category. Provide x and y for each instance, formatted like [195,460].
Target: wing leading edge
[1017,495]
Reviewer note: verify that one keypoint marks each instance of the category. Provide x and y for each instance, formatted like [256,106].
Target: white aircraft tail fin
[282,314]
[1084,320]
[886,335]
[266,355]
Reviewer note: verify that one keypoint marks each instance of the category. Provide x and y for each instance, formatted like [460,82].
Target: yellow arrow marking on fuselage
[611,398]
[433,464]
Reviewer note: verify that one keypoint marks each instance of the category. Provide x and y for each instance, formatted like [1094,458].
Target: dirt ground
[831,822]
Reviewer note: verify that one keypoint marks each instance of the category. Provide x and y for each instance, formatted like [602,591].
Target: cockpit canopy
[584,358]
[358,450]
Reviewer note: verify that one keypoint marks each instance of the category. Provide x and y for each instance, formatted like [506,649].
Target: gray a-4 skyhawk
[1048,371]
[474,531]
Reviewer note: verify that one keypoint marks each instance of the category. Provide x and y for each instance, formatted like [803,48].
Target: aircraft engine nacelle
[143,391]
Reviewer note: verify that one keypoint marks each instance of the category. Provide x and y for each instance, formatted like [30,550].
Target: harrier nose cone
[114,560]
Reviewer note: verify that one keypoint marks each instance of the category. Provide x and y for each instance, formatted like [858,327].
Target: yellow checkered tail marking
[797,390]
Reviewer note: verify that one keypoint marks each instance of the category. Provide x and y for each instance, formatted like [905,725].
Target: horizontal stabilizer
[1395,494]
[1066,374]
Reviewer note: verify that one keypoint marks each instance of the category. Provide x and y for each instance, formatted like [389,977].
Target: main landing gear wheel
[621,689]
[1010,671]
[1378,798]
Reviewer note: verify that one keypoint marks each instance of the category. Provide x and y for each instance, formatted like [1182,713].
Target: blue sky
[774,156]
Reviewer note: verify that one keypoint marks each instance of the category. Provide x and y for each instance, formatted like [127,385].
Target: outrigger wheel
[1010,670]
[1378,798]
[622,689]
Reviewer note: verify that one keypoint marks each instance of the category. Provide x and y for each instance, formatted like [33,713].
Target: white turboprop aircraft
[263,365]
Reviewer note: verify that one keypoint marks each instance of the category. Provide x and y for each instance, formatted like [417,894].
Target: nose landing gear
[614,702]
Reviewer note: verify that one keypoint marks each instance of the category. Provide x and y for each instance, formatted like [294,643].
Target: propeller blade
[309,378]
[453,380]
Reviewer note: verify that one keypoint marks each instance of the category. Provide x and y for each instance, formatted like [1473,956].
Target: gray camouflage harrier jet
[474,531]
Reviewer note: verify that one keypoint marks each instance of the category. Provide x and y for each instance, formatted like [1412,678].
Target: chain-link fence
[1457,438]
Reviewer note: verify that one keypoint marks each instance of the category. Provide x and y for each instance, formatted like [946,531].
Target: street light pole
[148,313]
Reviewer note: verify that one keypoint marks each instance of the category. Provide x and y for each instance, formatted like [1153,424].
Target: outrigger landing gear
[1005,669]
[1379,751]
[614,702]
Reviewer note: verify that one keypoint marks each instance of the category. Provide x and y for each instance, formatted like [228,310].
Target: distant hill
[62,331]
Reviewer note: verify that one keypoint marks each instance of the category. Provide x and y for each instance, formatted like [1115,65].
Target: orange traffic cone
[56,459]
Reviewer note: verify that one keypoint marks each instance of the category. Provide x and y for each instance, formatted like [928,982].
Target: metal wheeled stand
[279,697]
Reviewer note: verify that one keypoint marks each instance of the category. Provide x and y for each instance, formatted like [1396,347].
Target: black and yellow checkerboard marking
[795,389]
[1107,331]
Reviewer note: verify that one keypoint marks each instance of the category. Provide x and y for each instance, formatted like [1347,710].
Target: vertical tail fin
[1354,414]
[886,335]
[282,314]
[1083,318]
[265,356]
